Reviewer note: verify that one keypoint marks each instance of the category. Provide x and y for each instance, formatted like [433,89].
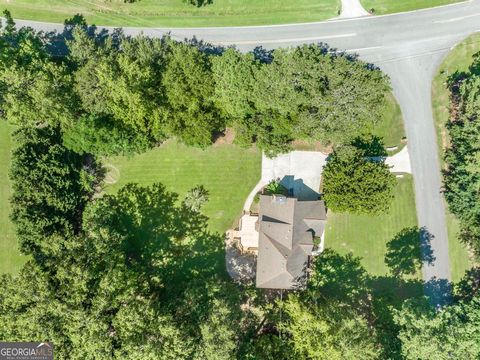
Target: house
[289,230]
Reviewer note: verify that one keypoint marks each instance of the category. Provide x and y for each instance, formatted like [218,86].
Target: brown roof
[286,230]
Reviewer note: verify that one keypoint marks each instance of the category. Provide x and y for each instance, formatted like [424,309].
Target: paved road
[408,47]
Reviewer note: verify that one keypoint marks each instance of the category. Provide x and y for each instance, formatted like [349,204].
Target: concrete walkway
[352,9]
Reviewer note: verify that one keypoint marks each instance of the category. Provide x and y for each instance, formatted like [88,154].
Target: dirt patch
[240,267]
[227,138]
[112,174]
[304,145]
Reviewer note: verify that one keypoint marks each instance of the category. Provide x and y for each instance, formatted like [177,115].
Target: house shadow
[298,189]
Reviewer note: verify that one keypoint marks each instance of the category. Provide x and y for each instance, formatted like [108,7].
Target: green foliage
[140,281]
[192,114]
[449,333]
[462,177]
[51,186]
[120,77]
[100,136]
[198,3]
[307,92]
[353,183]
[328,332]
[196,198]
[275,187]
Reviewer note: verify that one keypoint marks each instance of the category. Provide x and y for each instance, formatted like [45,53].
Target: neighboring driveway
[352,9]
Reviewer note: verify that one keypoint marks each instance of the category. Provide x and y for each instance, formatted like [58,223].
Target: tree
[141,281]
[353,183]
[120,77]
[101,136]
[189,88]
[449,333]
[51,186]
[196,198]
[328,332]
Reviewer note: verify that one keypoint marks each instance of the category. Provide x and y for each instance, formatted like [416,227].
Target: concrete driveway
[298,171]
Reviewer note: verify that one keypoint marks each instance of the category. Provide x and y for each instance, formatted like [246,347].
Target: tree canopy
[354,183]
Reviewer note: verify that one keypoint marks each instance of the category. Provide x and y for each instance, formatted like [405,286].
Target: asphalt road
[408,47]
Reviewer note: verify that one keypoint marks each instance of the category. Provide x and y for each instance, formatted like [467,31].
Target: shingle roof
[286,230]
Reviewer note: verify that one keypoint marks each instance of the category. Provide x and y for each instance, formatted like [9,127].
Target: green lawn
[228,172]
[391,127]
[175,13]
[392,6]
[366,236]
[10,259]
[457,60]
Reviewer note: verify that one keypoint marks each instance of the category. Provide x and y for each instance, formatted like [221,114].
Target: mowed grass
[367,236]
[175,13]
[10,258]
[458,60]
[391,127]
[382,7]
[228,172]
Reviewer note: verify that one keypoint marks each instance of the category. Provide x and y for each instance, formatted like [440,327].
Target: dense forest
[138,275]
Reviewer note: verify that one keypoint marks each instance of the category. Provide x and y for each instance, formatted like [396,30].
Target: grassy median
[175,13]
[382,7]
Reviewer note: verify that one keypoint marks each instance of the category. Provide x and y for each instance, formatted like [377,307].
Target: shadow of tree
[166,246]
[408,250]
[372,145]
[439,291]
[469,285]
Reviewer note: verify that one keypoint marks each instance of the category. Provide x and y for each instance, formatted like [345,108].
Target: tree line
[115,94]
[462,175]
[138,275]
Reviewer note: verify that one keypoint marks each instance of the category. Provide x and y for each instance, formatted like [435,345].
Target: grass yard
[366,236]
[457,60]
[10,258]
[175,13]
[382,7]
[391,127]
[228,172]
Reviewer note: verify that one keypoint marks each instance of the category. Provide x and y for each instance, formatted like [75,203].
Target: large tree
[143,280]
[449,333]
[354,183]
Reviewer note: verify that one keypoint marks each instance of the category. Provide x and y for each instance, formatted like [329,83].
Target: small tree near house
[355,184]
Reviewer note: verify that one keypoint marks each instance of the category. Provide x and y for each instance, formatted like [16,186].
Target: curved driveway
[408,47]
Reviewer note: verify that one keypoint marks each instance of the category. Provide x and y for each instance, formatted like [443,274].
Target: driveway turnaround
[408,47]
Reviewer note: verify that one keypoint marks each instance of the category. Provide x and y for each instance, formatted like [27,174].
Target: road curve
[408,47]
